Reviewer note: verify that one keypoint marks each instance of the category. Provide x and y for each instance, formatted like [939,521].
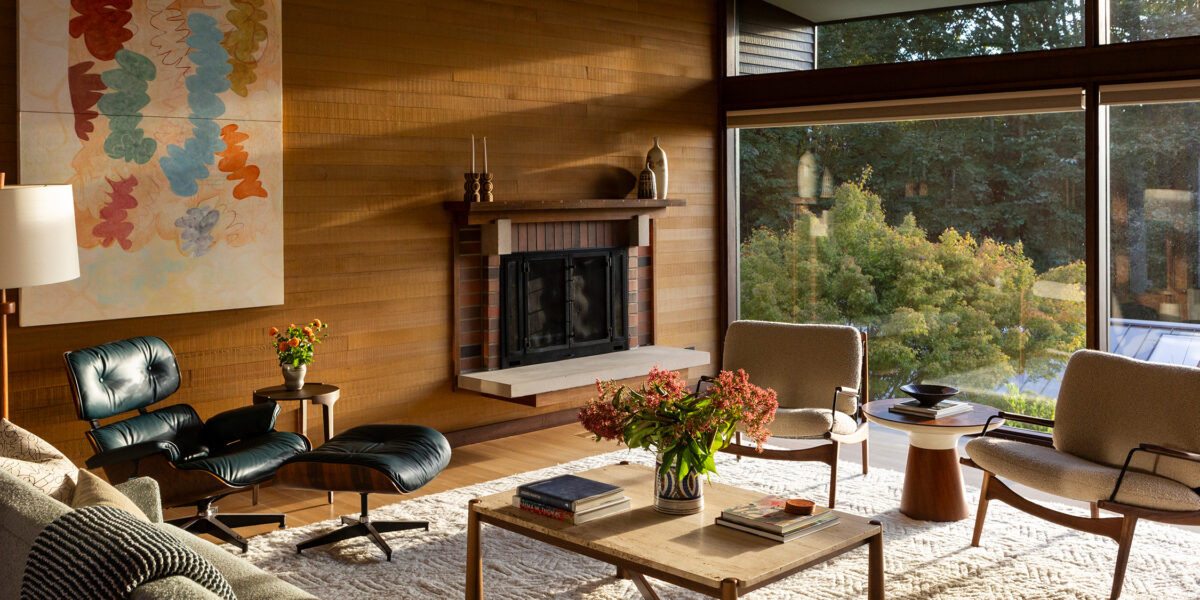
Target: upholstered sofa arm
[133,453]
[241,423]
[143,491]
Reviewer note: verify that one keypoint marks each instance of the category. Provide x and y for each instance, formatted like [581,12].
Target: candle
[472,153]
[485,154]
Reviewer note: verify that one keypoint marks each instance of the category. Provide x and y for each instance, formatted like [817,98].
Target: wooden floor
[486,461]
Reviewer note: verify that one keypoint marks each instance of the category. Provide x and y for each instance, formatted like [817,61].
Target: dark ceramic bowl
[929,395]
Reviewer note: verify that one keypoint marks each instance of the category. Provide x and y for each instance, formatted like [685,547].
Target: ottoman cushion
[409,455]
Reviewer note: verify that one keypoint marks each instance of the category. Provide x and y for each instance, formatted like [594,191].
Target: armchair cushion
[1062,474]
[804,364]
[250,461]
[240,423]
[810,422]
[178,424]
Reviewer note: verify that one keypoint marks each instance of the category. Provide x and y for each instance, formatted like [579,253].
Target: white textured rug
[1021,558]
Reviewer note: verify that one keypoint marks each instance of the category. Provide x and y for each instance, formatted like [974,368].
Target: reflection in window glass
[1155,272]
[957,244]
[1134,20]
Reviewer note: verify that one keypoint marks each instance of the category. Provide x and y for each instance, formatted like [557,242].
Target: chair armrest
[703,380]
[838,392]
[241,423]
[1007,416]
[1152,449]
[143,491]
[133,453]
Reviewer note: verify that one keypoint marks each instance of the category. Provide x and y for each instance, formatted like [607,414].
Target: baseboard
[483,433]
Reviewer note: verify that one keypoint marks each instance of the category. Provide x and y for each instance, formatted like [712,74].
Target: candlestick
[485,187]
[472,153]
[485,169]
[471,186]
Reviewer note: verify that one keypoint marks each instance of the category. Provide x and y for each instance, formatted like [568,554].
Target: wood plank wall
[380,98]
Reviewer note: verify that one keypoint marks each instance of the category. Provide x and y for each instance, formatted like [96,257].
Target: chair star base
[360,527]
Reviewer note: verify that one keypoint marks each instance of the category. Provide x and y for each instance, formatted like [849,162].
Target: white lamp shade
[37,235]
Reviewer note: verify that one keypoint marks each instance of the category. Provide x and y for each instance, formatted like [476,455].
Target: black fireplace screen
[557,305]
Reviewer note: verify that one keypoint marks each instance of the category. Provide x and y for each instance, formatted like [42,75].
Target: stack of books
[767,518]
[572,499]
[945,408]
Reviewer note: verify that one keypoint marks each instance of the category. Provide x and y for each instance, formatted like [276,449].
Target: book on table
[767,514]
[945,408]
[776,536]
[570,493]
[615,505]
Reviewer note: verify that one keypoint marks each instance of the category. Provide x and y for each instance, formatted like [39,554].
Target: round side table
[933,484]
[317,393]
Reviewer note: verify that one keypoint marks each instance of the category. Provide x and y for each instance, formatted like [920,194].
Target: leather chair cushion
[121,376]
[178,424]
[410,455]
[250,461]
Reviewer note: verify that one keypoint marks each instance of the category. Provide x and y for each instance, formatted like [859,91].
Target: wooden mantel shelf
[534,385]
[548,211]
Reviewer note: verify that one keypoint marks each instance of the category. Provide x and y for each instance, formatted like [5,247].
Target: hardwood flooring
[485,461]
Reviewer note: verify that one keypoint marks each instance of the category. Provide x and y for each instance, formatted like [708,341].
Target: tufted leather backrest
[116,377]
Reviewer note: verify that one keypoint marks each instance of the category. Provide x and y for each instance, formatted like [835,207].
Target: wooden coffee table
[689,551]
[933,484]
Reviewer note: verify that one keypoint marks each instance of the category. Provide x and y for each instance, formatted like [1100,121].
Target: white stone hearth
[532,380]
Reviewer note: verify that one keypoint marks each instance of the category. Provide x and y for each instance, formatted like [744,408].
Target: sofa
[25,511]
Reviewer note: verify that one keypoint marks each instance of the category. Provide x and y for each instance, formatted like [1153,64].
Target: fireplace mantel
[550,211]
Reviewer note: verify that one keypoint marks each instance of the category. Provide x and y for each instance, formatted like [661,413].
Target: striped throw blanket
[103,553]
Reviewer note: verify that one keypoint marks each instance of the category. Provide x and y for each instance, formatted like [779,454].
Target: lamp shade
[37,235]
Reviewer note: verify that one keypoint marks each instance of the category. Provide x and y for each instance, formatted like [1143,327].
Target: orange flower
[274,331]
[292,326]
[283,346]
[316,322]
[293,342]
[308,331]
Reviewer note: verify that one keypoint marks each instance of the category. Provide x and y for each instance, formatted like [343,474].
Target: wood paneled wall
[380,98]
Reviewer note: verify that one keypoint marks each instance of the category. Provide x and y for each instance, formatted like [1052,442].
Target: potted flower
[685,429]
[294,346]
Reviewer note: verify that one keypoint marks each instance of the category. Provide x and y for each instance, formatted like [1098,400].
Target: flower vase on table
[295,346]
[686,429]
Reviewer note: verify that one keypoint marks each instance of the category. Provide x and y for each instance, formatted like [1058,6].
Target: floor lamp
[38,246]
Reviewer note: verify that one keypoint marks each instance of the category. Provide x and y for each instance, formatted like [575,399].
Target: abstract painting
[166,118]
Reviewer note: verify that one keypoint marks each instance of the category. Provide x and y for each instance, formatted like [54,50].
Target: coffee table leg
[875,566]
[639,582]
[729,589]
[474,556]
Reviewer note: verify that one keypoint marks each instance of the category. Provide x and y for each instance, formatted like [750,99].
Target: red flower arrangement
[687,428]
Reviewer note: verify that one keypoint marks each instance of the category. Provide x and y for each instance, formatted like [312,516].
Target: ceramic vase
[657,159]
[293,377]
[674,496]
[647,184]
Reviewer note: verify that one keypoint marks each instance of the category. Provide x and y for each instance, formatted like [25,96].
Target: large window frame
[1090,67]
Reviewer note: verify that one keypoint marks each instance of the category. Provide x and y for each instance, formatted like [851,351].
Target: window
[798,35]
[957,244]
[1154,157]
[1136,20]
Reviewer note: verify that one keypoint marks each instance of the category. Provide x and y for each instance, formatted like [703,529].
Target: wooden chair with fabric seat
[1126,439]
[819,373]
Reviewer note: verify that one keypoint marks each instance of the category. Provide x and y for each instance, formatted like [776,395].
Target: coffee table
[689,551]
[933,484]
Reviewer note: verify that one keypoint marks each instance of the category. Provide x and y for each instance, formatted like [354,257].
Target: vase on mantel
[293,377]
[675,496]
[657,160]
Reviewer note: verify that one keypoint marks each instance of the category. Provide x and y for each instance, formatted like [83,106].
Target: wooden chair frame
[1120,529]
[827,453]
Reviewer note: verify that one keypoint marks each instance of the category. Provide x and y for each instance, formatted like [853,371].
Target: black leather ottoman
[381,459]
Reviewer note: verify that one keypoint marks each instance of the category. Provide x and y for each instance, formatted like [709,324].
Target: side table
[933,484]
[317,393]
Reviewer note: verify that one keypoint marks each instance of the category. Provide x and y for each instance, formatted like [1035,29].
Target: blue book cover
[566,491]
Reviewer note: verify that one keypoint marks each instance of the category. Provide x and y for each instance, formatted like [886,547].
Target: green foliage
[1022,403]
[932,305]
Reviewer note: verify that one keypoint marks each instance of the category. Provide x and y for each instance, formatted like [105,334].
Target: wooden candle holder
[486,187]
[471,186]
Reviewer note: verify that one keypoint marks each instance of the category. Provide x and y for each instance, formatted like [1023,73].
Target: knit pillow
[34,460]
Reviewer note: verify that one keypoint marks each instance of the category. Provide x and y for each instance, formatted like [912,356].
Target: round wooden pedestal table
[316,393]
[933,484]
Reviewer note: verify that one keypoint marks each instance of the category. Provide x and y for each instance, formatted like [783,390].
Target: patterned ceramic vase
[293,377]
[647,186]
[675,497]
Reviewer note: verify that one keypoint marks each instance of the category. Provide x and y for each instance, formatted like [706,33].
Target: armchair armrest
[133,453]
[143,491]
[1151,449]
[241,423]
[1007,416]
[700,387]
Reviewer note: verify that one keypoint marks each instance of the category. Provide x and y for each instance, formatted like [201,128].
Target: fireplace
[562,304]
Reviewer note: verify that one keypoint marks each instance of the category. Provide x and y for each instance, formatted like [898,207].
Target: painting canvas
[166,118]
